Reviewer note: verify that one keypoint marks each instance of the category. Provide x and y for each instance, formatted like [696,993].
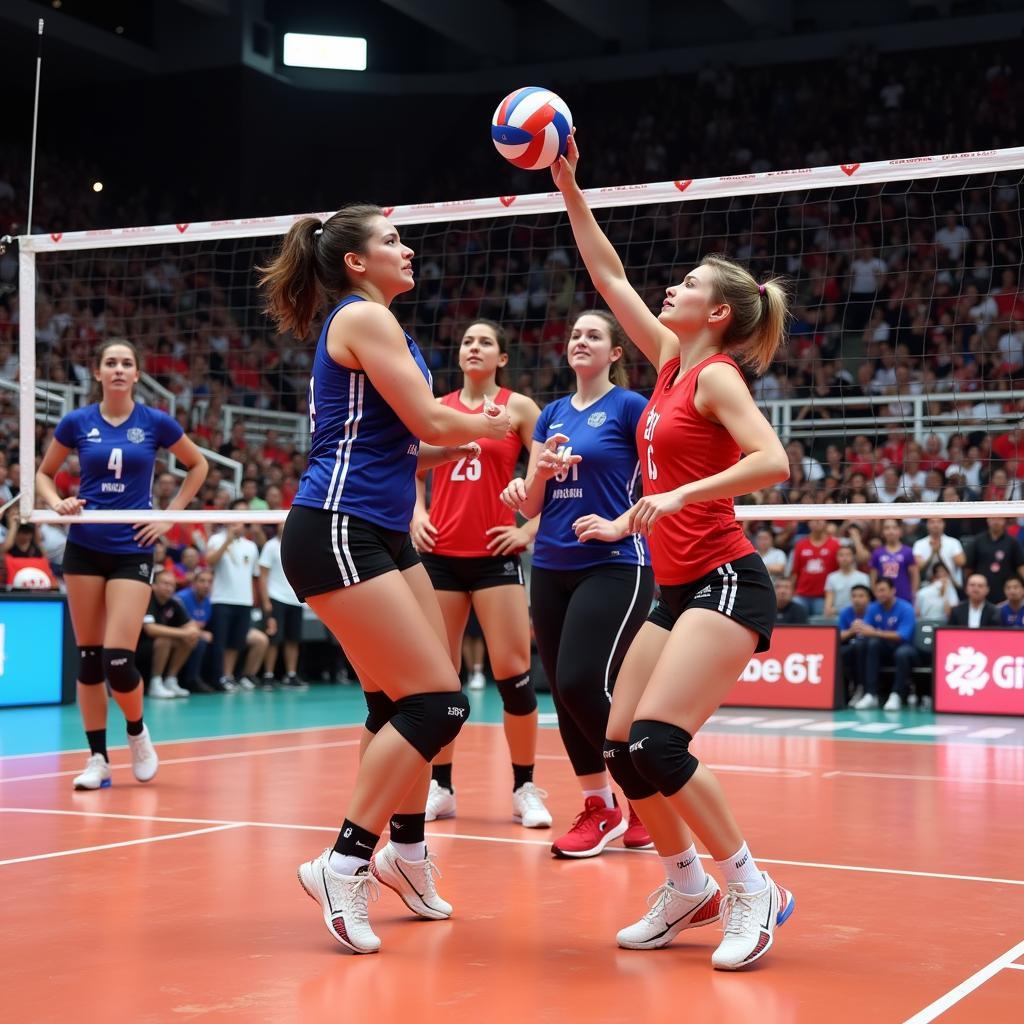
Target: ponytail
[310,269]
[760,312]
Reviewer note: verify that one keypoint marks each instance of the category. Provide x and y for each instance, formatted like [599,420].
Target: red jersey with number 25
[464,503]
[677,445]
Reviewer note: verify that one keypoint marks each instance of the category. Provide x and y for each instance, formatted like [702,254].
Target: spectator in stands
[23,562]
[195,599]
[887,486]
[774,558]
[250,493]
[1011,611]
[936,596]
[810,468]
[977,611]
[814,557]
[1000,487]
[849,637]
[937,547]
[995,555]
[839,584]
[788,612]
[168,637]
[234,559]
[1010,447]
[282,611]
[888,632]
[894,561]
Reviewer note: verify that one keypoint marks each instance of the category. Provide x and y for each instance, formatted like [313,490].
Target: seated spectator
[887,486]
[995,555]
[23,563]
[977,611]
[1011,611]
[197,673]
[937,547]
[849,637]
[894,561]
[839,584]
[185,569]
[937,595]
[788,612]
[168,637]
[774,558]
[814,557]
[888,632]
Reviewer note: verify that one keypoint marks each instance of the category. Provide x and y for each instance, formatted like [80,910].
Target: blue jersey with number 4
[117,469]
[604,434]
[362,457]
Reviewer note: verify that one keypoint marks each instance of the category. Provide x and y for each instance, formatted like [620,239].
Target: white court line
[965,988]
[1015,967]
[513,842]
[190,760]
[919,778]
[127,842]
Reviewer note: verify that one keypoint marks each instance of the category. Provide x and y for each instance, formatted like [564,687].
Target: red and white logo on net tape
[507,201]
[684,184]
[387,210]
[182,228]
[57,235]
[849,169]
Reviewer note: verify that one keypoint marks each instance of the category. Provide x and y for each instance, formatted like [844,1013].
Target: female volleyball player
[108,567]
[587,600]
[717,605]
[470,545]
[346,549]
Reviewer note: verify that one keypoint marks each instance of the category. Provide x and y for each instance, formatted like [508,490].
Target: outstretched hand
[563,170]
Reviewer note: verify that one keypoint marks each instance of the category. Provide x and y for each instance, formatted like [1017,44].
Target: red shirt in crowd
[812,562]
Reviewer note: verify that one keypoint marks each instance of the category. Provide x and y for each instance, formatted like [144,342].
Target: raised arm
[366,336]
[642,327]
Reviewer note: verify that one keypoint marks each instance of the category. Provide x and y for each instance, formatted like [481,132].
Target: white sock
[740,867]
[605,794]
[156,681]
[410,851]
[341,864]
[685,871]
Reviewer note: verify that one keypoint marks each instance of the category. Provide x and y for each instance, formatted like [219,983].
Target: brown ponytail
[617,372]
[760,312]
[310,269]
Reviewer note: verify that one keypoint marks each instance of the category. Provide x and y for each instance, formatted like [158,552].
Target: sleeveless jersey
[677,446]
[362,457]
[117,469]
[602,484]
[464,502]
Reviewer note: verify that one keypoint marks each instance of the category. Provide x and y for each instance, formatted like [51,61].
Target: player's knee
[430,721]
[119,669]
[518,696]
[621,768]
[90,666]
[660,752]
[380,709]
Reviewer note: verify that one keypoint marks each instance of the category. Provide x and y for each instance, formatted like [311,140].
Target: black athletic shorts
[323,551]
[289,622]
[230,625]
[450,572]
[82,561]
[741,590]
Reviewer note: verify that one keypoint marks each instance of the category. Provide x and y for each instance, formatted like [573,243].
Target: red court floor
[177,901]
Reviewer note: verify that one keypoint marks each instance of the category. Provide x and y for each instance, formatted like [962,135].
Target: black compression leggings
[584,621]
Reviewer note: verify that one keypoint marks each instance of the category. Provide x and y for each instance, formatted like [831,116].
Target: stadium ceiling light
[340,53]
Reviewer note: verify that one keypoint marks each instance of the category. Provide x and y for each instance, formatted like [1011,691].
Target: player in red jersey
[470,545]
[717,604]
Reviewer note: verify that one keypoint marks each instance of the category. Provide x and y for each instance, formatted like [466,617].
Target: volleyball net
[900,391]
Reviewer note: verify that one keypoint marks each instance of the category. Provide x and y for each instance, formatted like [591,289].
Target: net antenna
[35,129]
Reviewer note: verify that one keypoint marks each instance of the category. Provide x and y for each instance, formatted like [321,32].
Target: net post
[27,375]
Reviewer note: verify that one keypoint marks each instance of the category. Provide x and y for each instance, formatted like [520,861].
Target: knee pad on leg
[119,668]
[380,710]
[90,666]
[517,694]
[661,754]
[621,768]
[430,721]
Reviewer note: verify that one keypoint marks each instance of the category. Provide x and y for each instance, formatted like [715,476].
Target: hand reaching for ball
[563,170]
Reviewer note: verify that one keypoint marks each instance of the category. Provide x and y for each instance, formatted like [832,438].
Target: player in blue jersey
[587,600]
[346,549]
[108,567]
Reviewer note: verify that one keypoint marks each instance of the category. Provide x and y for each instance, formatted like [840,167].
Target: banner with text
[979,671]
[799,670]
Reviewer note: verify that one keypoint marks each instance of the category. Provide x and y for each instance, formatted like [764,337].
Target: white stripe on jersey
[342,459]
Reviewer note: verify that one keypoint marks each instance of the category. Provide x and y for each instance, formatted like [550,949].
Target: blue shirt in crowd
[898,619]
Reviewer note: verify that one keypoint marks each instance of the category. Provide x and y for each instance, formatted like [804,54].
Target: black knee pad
[380,708]
[90,666]
[430,721]
[517,694]
[621,768]
[661,754]
[119,668]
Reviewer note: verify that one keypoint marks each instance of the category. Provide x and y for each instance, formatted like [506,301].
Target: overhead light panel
[339,53]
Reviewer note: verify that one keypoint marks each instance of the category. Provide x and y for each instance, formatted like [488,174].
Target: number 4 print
[116,462]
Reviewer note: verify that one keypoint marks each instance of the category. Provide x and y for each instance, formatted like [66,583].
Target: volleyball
[531,128]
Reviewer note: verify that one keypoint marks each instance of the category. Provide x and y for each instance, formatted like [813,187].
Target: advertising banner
[979,671]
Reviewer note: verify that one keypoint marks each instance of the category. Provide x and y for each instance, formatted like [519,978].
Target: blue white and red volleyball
[531,128]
